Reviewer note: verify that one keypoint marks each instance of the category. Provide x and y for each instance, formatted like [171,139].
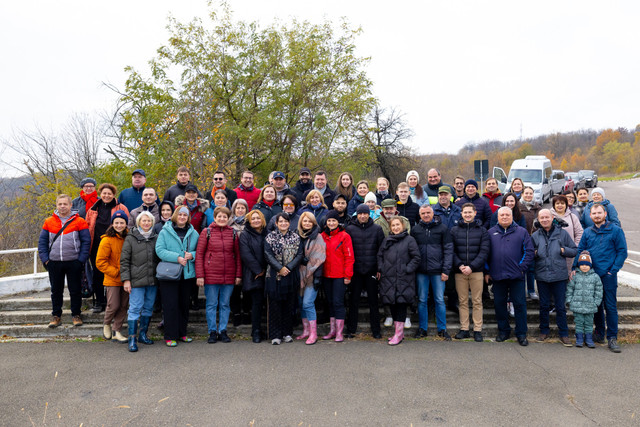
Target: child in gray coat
[584,294]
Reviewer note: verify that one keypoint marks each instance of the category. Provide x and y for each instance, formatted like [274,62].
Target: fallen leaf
[162,400]
[123,407]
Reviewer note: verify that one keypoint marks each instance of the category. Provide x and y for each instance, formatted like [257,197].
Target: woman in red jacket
[337,273]
[218,268]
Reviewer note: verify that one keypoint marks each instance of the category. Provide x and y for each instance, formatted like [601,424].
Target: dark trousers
[515,290]
[98,276]
[558,290]
[280,317]
[257,299]
[398,311]
[175,306]
[240,301]
[72,270]
[334,289]
[609,305]
[370,284]
[450,292]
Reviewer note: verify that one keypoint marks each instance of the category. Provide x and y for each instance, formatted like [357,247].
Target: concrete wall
[26,283]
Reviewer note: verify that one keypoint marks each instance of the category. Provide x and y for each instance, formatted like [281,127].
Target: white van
[534,171]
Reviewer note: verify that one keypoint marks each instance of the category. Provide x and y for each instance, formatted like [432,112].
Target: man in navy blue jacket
[511,253]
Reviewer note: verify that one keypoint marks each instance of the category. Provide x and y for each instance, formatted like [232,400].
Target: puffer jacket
[366,239]
[318,212]
[550,261]
[450,216]
[494,199]
[607,246]
[398,260]
[74,243]
[612,214]
[483,210]
[409,210]
[471,245]
[218,256]
[435,245]
[268,211]
[198,218]
[584,292]
[169,247]
[339,261]
[511,252]
[252,257]
[138,259]
[108,259]
[574,228]
[579,208]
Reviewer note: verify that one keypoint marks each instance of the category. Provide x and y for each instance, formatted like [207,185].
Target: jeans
[218,295]
[141,302]
[608,305]
[424,281]
[335,294]
[558,290]
[57,272]
[515,289]
[370,284]
[308,303]
[531,282]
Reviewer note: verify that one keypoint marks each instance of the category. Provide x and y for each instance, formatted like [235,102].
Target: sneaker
[420,333]
[97,308]
[613,345]
[534,296]
[407,323]
[542,338]
[566,341]
[276,341]
[477,336]
[185,339]
[77,320]
[512,312]
[224,337]
[443,334]
[171,343]
[55,322]
[288,338]
[213,338]
[388,321]
[462,335]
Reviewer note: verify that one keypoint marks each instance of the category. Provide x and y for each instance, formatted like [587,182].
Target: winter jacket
[380,197]
[584,292]
[398,260]
[74,243]
[550,261]
[329,196]
[108,259]
[293,223]
[315,254]
[268,211]
[251,194]
[198,218]
[174,191]
[435,245]
[231,195]
[169,247]
[573,224]
[384,224]
[339,261]
[409,210]
[366,239]
[433,190]
[92,215]
[252,256]
[300,189]
[450,216]
[607,246]
[494,199]
[511,252]
[131,197]
[209,215]
[281,287]
[218,256]
[579,207]
[483,210]
[530,215]
[238,225]
[356,201]
[154,210]
[522,222]
[79,204]
[319,212]
[423,200]
[471,246]
[138,259]
[612,214]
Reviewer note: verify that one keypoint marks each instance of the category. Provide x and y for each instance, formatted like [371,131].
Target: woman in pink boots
[398,260]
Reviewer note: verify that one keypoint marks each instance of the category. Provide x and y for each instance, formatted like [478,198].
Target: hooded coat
[138,259]
[218,256]
[252,256]
[398,260]
[584,292]
[366,239]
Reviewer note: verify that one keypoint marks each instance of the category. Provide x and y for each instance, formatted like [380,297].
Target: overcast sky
[460,70]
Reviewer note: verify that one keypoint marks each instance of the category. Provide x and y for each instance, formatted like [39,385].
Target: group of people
[283,245]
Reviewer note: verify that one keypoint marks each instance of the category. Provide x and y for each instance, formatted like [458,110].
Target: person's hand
[466,270]
[572,274]
[444,277]
[347,280]
[188,255]
[284,271]
[487,278]
[182,261]
[200,281]
[378,275]
[259,275]
[238,280]
[562,250]
[127,286]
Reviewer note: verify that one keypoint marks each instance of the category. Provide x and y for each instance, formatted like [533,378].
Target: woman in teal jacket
[177,243]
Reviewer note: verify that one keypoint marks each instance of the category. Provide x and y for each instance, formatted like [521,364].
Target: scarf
[528,205]
[321,190]
[145,234]
[238,219]
[270,204]
[89,199]
[285,248]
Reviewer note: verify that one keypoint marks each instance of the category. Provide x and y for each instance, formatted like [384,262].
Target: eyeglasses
[288,205]
[88,186]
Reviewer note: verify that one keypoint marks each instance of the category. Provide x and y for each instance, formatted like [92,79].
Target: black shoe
[613,345]
[98,308]
[420,333]
[213,337]
[462,334]
[598,338]
[443,334]
[477,336]
[349,335]
[502,337]
[523,341]
[255,337]
[376,335]
[237,320]
[224,337]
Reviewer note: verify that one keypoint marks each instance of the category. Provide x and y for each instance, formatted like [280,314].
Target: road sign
[481,170]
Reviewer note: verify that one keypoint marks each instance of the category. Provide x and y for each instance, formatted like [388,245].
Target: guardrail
[21,251]
[632,261]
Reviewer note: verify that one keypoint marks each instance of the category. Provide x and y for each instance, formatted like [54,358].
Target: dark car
[577,178]
[591,178]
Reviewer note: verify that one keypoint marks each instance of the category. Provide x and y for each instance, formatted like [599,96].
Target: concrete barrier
[26,283]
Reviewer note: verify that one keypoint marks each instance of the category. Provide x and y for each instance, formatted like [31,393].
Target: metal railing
[21,251]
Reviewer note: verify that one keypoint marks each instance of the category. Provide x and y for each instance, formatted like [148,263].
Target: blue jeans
[609,305]
[515,289]
[335,288]
[308,303]
[141,302]
[558,290]
[218,295]
[435,281]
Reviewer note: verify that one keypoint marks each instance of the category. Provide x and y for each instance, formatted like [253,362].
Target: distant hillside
[12,187]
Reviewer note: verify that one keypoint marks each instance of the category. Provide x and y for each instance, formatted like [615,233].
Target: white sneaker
[407,323]
[512,312]
[388,321]
[276,341]
[288,338]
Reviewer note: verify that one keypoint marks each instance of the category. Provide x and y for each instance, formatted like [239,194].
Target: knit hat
[598,190]
[334,214]
[362,209]
[120,214]
[190,187]
[444,189]
[88,180]
[471,182]
[411,173]
[585,258]
[389,203]
[370,196]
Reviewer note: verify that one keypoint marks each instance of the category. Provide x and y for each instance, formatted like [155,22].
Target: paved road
[354,383]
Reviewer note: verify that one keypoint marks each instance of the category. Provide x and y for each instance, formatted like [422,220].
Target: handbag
[86,282]
[170,270]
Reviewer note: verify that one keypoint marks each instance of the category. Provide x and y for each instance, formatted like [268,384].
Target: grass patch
[619,177]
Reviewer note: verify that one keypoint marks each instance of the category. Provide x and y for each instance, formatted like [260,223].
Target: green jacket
[382,222]
[584,292]
[138,260]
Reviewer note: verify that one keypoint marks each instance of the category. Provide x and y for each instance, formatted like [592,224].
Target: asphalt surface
[353,383]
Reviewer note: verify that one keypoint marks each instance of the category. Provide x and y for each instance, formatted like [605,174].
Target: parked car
[557,182]
[577,178]
[591,178]
[569,185]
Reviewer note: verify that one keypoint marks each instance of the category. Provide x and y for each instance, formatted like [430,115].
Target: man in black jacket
[320,184]
[303,184]
[220,183]
[367,238]
[436,251]
[178,189]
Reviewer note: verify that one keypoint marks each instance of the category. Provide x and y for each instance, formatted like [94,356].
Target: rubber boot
[589,340]
[332,330]
[133,326]
[579,339]
[313,332]
[305,330]
[144,327]
[339,330]
[398,337]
